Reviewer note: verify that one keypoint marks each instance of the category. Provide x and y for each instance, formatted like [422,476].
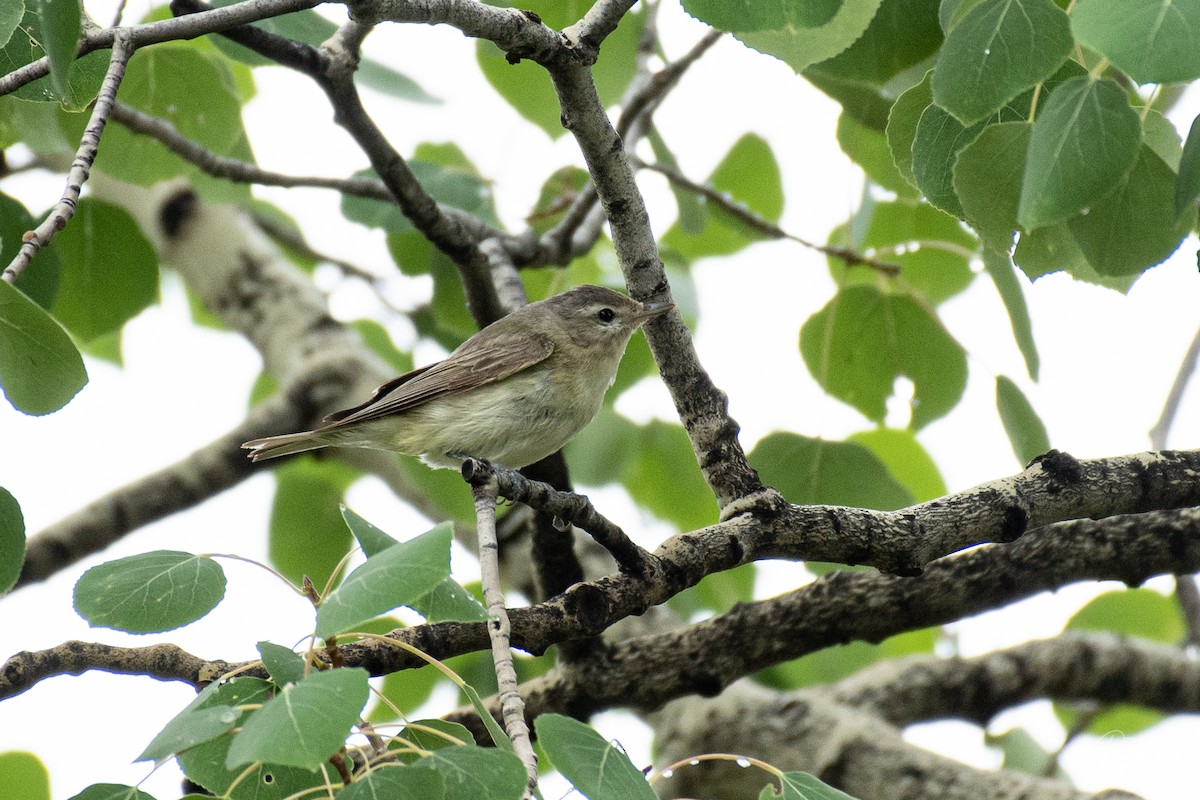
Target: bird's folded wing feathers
[469,367]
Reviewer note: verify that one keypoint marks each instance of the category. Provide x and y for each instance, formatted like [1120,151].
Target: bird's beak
[651,310]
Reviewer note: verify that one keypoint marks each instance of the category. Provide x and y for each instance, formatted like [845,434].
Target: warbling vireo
[512,394]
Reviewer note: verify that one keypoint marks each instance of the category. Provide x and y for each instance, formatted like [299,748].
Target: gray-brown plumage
[513,393]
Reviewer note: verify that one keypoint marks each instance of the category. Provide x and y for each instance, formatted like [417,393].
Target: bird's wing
[472,365]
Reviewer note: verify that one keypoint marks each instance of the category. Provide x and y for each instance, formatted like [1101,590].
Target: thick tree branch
[211,469]
[839,607]
[842,606]
[1094,667]
[851,750]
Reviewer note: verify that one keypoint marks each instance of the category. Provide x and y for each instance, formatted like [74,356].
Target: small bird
[512,394]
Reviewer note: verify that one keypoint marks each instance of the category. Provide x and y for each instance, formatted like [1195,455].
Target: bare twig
[81,167]
[1158,434]
[236,170]
[211,20]
[764,226]
[512,709]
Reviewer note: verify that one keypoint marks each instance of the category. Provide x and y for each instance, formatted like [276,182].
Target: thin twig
[765,226]
[1186,590]
[81,167]
[512,708]
[236,170]
[213,19]
[580,226]
[1158,434]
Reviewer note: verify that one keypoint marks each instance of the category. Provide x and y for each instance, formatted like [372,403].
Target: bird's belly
[514,423]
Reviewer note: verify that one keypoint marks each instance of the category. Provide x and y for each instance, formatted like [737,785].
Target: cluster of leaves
[1022,119]
[278,736]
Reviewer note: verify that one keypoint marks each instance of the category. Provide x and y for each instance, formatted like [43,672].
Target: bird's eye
[606,315]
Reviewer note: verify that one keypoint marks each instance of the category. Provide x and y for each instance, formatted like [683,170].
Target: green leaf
[863,340]
[10,17]
[395,783]
[27,43]
[747,15]
[1022,752]
[372,540]
[902,125]
[449,601]
[109,270]
[447,732]
[868,148]
[112,791]
[204,763]
[1187,186]
[1002,272]
[40,369]
[526,86]
[306,533]
[399,575]
[476,773]
[999,49]
[1084,141]
[282,663]
[1141,613]
[799,46]
[932,249]
[665,479]
[748,175]
[59,25]
[907,461]
[407,690]
[1151,41]
[191,727]
[304,723]
[604,450]
[802,786]
[902,34]
[593,765]
[196,93]
[1053,248]
[445,173]
[987,180]
[814,471]
[12,543]
[23,776]
[1021,422]
[376,337]
[151,592]
[1134,227]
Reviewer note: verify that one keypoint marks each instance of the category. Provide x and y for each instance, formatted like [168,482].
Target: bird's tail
[285,445]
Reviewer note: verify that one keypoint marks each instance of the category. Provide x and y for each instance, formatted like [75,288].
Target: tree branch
[702,407]
[764,226]
[210,21]
[196,477]
[81,167]
[1093,667]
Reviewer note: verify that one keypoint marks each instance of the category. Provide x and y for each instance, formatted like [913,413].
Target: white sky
[1107,363]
